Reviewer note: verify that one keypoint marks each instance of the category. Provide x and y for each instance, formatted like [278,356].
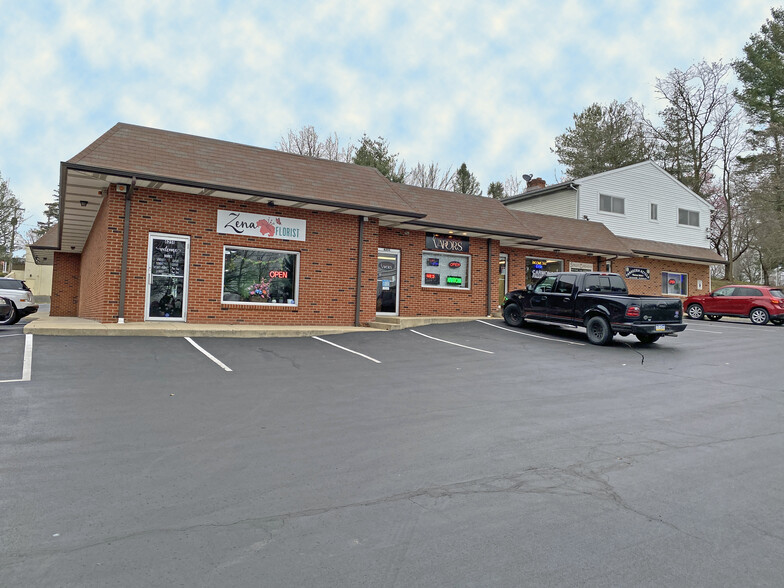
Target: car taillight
[633,311]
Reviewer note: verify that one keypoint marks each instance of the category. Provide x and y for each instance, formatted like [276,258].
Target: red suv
[759,303]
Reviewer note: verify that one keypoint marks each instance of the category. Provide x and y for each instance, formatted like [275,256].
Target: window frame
[432,253]
[688,212]
[252,303]
[613,199]
[653,212]
[684,283]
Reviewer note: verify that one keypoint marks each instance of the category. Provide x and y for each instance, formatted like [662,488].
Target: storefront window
[674,284]
[535,268]
[446,270]
[260,276]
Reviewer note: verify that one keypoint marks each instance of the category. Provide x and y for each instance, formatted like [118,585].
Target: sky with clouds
[487,83]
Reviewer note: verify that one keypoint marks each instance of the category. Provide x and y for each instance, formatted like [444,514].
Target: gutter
[124,264]
[236,190]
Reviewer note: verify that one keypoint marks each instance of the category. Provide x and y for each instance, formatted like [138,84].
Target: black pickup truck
[597,301]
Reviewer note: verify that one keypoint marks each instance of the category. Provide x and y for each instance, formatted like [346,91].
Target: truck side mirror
[529,287]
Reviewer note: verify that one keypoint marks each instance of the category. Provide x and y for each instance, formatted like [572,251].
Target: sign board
[578,266]
[259,225]
[638,273]
[446,242]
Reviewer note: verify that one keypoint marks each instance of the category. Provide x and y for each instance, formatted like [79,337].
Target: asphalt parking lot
[466,454]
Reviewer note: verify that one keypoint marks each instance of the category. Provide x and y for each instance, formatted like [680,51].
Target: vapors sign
[446,242]
[258,225]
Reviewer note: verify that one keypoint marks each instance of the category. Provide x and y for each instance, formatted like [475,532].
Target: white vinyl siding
[641,185]
[563,203]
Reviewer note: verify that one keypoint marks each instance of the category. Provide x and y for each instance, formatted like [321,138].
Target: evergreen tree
[465,182]
[375,153]
[603,138]
[51,216]
[495,190]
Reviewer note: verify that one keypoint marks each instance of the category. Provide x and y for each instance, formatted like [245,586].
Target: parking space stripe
[346,349]
[451,343]
[208,354]
[701,331]
[27,366]
[529,334]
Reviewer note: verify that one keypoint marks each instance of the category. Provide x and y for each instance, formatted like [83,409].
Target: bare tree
[698,107]
[730,231]
[513,186]
[306,142]
[429,176]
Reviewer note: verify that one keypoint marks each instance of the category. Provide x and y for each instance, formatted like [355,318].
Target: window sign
[259,225]
[445,270]
[536,268]
[260,276]
[638,273]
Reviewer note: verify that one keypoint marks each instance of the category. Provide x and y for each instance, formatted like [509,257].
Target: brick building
[162,226]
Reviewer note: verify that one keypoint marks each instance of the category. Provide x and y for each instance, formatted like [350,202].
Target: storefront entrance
[387,293]
[167,277]
[503,277]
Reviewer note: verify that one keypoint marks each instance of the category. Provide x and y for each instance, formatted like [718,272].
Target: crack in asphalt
[573,480]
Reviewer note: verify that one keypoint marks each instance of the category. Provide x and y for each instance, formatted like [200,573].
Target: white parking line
[529,334]
[346,349]
[450,342]
[27,365]
[702,331]
[208,354]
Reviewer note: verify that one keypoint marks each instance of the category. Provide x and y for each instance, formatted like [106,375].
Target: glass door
[167,277]
[387,294]
[503,277]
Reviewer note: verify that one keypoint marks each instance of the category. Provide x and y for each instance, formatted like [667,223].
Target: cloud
[490,84]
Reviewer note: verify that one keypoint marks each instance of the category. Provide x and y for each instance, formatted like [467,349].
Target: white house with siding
[640,201]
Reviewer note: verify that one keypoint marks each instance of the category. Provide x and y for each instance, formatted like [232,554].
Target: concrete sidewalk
[42,324]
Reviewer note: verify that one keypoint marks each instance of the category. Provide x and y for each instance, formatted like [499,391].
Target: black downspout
[124,266]
[359,269]
[489,278]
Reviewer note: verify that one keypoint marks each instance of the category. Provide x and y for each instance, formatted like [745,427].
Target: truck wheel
[599,331]
[11,318]
[759,316]
[648,338]
[695,311]
[513,316]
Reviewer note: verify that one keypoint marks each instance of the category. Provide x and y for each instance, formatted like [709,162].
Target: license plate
[660,327]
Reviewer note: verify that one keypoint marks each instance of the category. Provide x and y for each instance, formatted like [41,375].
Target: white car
[21,298]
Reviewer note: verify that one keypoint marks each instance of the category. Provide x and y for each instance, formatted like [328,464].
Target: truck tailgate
[660,310]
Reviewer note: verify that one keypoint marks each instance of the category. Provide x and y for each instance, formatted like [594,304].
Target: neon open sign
[454,280]
[279,274]
[454,264]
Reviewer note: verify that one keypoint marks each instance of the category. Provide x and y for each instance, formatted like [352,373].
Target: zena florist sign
[259,225]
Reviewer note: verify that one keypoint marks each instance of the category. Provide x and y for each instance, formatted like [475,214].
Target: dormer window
[612,204]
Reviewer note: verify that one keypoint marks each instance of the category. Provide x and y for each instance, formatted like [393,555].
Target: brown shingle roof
[670,250]
[463,212]
[569,233]
[158,154]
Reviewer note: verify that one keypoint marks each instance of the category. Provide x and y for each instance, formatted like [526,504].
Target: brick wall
[652,287]
[101,257]
[328,261]
[65,284]
[417,300]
